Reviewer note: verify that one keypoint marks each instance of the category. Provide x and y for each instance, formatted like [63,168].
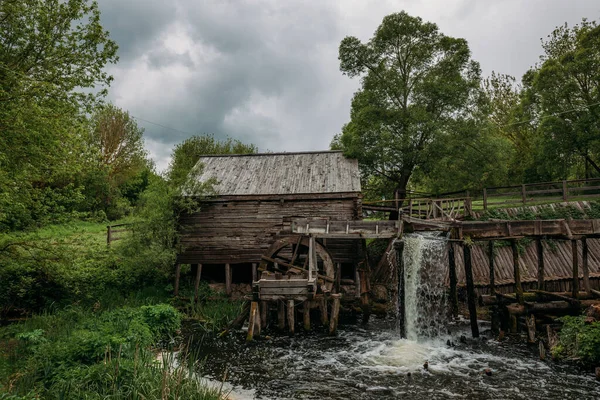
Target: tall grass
[76,353]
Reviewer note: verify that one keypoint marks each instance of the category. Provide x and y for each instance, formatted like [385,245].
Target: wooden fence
[510,196]
[112,233]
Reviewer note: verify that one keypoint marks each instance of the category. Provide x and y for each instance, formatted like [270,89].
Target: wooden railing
[425,208]
[110,232]
[517,195]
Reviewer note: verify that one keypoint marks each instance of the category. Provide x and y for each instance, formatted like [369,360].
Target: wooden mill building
[258,196]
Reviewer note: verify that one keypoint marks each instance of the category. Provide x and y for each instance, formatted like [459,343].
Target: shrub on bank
[578,340]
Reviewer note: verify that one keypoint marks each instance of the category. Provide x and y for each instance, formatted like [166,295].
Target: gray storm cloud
[267,72]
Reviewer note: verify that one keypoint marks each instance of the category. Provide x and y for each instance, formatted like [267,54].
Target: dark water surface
[373,363]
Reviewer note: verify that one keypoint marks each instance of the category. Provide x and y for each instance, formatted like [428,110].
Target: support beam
[453,280]
[252,320]
[335,311]
[585,266]
[575,285]
[541,282]
[254,272]
[323,310]
[197,283]
[177,276]
[291,314]
[516,271]
[399,245]
[495,318]
[470,291]
[306,315]
[228,279]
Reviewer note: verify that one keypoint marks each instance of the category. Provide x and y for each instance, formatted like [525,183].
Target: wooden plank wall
[241,231]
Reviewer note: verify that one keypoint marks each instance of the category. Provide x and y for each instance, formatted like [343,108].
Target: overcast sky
[267,72]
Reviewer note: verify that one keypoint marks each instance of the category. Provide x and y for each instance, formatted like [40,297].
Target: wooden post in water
[584,265]
[335,312]
[228,279]
[470,291]
[453,280]
[494,317]
[541,282]
[306,315]
[252,320]
[517,271]
[323,310]
[291,314]
[575,284]
[281,315]
[399,245]
[177,275]
[197,283]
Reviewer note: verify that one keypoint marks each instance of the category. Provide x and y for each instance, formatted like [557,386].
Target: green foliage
[417,87]
[566,91]
[53,53]
[578,340]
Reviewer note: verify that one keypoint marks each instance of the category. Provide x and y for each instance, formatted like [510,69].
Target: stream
[371,362]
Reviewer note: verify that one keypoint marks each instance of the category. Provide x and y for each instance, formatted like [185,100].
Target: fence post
[484,198]
[565,193]
[523,194]
[108,235]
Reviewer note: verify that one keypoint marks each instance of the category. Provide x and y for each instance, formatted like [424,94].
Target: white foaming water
[425,270]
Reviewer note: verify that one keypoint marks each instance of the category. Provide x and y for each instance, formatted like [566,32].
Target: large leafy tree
[52,59]
[417,84]
[566,87]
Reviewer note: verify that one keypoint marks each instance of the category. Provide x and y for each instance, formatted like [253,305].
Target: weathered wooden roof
[282,173]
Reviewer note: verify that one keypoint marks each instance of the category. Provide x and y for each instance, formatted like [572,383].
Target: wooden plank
[491,265]
[470,291]
[252,321]
[306,315]
[517,271]
[584,265]
[453,280]
[540,266]
[399,247]
[335,311]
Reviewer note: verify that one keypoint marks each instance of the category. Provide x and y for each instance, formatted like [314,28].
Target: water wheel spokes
[290,255]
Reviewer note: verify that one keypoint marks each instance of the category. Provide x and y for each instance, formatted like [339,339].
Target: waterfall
[425,298]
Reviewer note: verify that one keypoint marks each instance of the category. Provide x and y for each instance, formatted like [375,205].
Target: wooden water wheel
[290,255]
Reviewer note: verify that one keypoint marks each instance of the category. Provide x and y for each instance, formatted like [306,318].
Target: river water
[374,362]
[371,362]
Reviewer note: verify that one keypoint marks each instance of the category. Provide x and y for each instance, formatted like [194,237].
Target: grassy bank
[85,320]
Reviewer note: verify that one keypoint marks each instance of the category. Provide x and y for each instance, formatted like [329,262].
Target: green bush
[578,340]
